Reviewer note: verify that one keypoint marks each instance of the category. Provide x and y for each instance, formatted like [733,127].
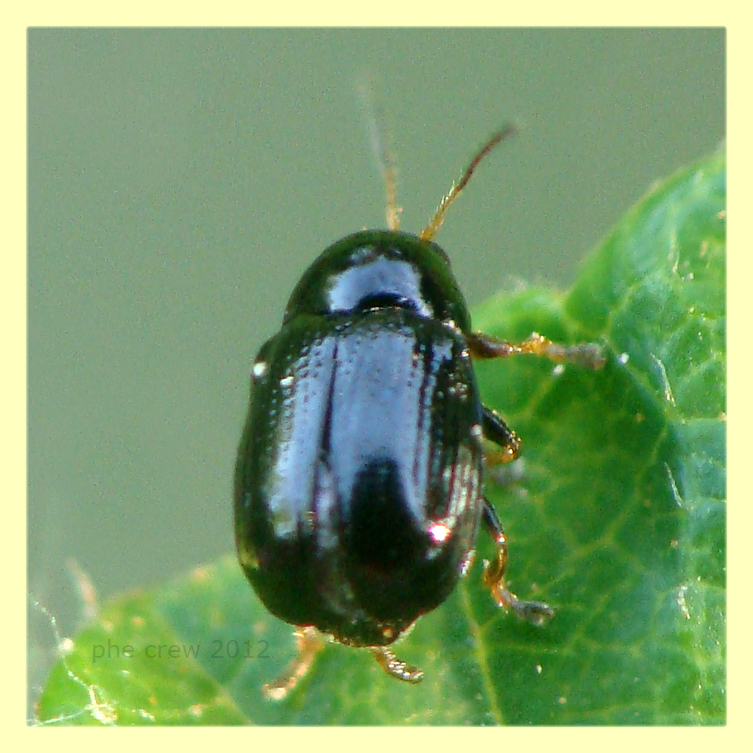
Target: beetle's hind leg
[309,642]
[395,667]
[535,612]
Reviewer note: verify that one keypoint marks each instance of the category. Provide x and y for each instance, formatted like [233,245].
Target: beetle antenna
[436,221]
[383,150]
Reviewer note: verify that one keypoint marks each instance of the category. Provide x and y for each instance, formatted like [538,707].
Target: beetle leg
[394,667]
[309,642]
[496,430]
[535,612]
[584,354]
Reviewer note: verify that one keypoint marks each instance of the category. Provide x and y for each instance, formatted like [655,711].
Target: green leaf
[615,516]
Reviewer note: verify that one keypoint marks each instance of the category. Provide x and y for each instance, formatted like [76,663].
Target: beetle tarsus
[396,667]
[536,612]
[309,642]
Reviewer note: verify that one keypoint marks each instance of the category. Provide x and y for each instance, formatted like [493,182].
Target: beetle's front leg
[584,354]
[535,612]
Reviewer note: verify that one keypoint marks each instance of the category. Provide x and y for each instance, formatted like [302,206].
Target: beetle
[359,475]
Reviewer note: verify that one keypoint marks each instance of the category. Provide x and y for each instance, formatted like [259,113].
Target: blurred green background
[181,180]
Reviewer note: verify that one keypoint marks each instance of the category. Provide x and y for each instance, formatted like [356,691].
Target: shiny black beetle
[358,486]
